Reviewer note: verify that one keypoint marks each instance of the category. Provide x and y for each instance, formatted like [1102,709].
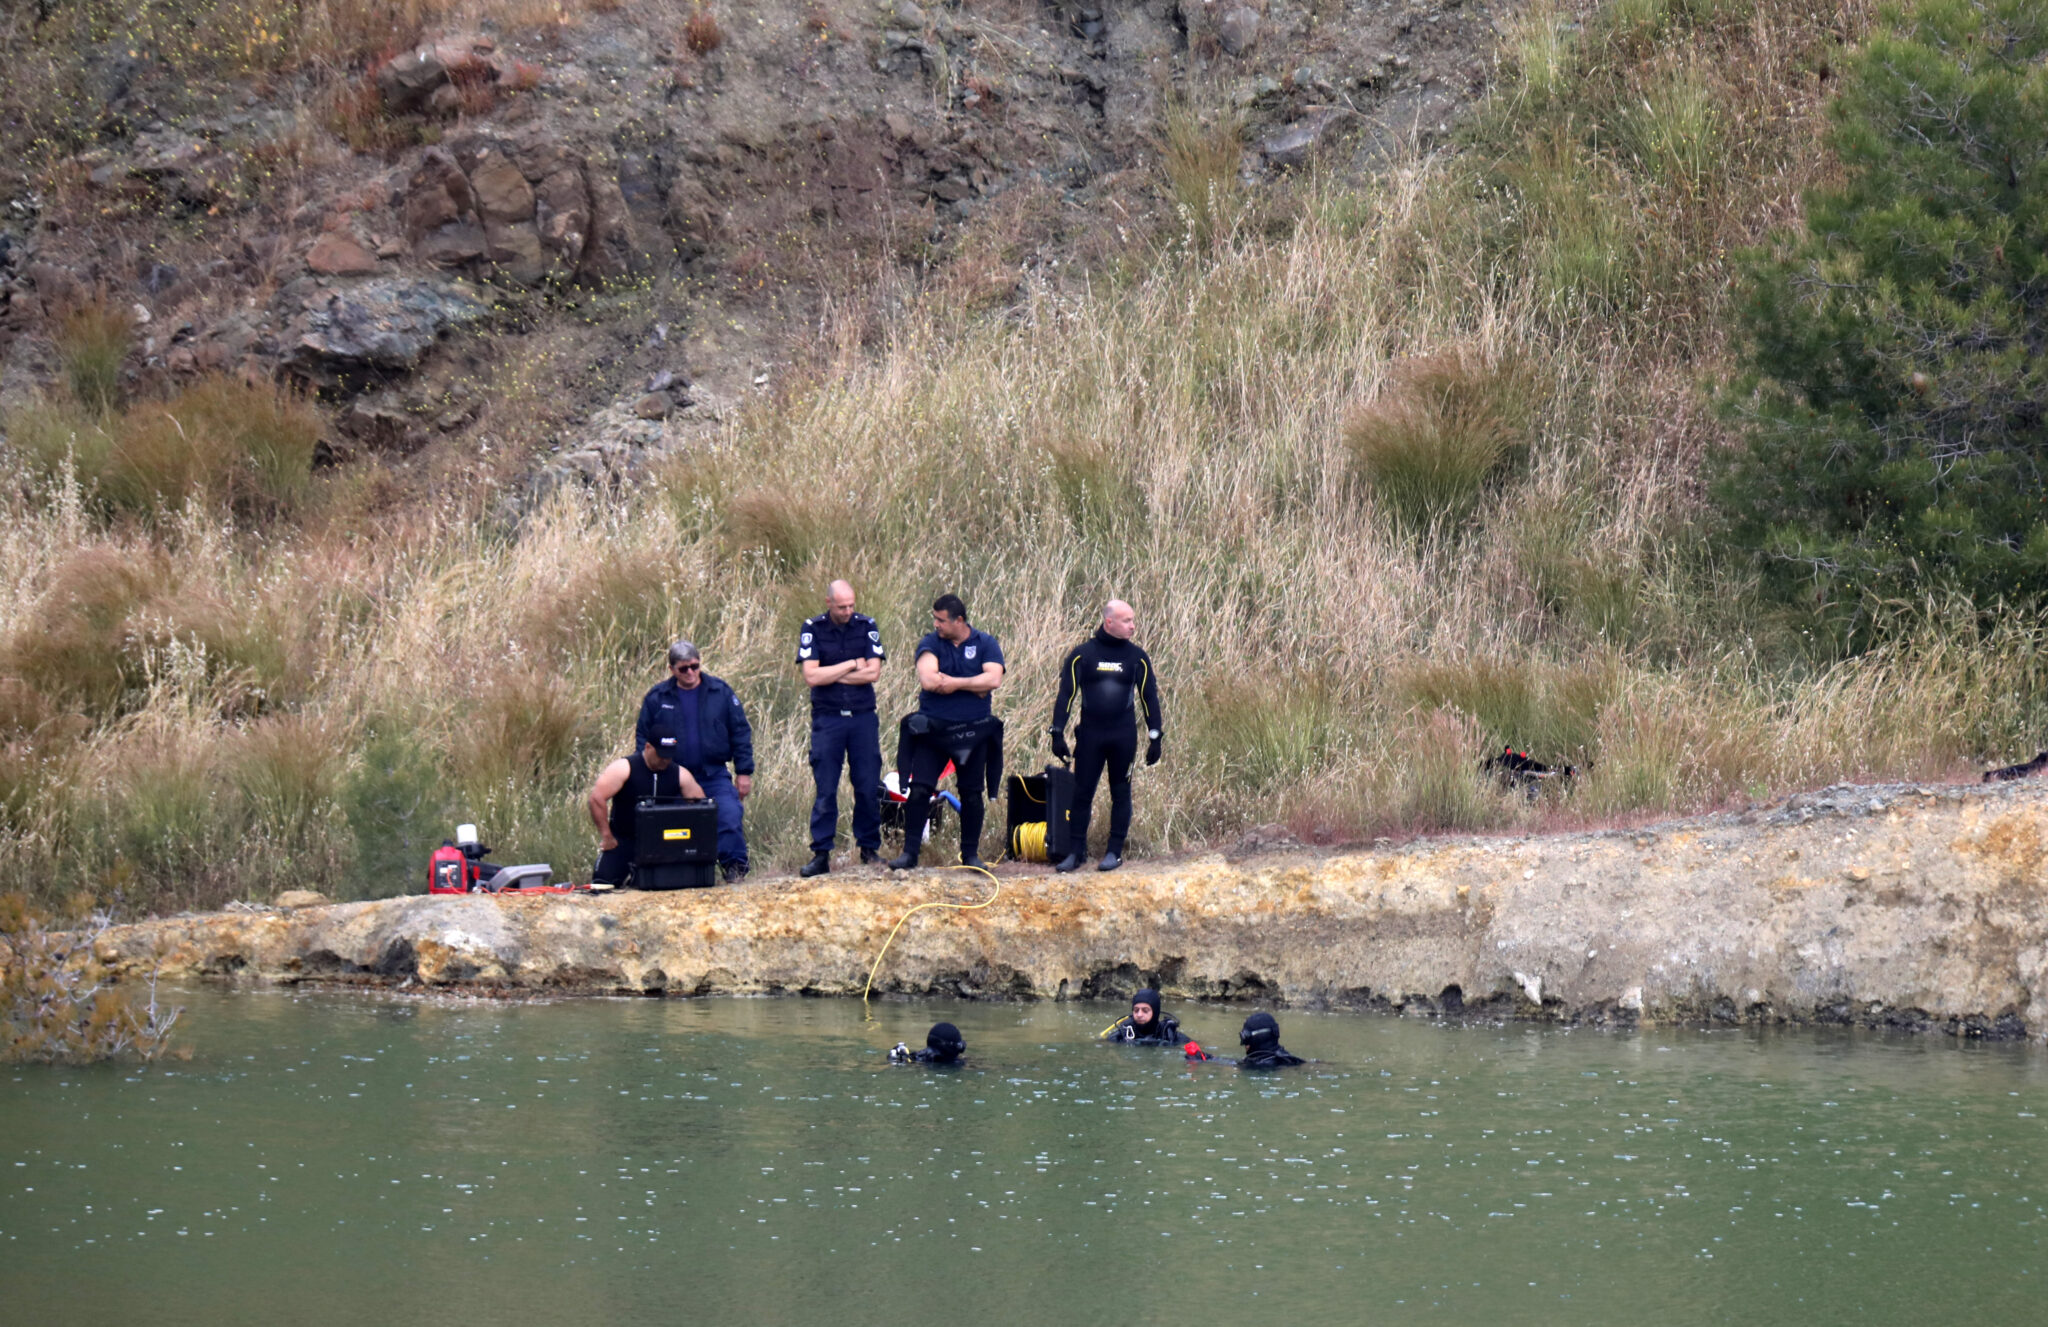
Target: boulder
[1298,142]
[455,243]
[515,248]
[378,327]
[408,82]
[500,190]
[562,211]
[335,254]
[437,194]
[654,405]
[1238,29]
[302,898]
[611,252]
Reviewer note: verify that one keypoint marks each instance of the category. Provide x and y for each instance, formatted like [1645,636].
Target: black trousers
[927,761]
[1096,750]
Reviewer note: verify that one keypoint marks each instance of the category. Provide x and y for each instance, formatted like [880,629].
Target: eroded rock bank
[1921,907]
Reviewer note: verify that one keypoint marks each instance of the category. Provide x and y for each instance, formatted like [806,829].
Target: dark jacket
[723,734]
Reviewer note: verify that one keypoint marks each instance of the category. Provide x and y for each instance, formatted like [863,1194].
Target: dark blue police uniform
[843,730]
[927,758]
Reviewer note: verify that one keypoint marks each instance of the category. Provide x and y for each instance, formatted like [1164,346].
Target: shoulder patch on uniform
[804,653]
[875,636]
[806,639]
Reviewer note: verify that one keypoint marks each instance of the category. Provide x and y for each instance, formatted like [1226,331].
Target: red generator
[449,871]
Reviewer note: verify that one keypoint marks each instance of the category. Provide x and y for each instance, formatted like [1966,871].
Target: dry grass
[1178,439]
[701,32]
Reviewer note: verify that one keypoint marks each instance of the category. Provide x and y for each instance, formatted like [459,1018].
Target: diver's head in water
[1261,1032]
[945,1043]
[1145,1008]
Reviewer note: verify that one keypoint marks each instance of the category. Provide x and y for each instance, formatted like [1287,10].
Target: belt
[844,714]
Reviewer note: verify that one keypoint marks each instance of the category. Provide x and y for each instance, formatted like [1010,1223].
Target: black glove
[1152,752]
[1060,750]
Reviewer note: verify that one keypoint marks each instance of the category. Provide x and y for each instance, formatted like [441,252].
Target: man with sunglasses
[711,729]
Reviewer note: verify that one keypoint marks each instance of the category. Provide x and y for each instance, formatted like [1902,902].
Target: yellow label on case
[675,834]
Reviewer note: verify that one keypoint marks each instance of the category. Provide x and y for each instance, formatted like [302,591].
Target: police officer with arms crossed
[958,666]
[1108,672]
[841,654]
[651,771]
[710,727]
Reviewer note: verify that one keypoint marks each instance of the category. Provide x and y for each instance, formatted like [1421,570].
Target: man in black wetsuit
[942,1045]
[1147,1024]
[958,665]
[1260,1038]
[1112,677]
[651,771]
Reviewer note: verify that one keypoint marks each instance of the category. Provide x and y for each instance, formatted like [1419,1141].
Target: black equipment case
[1032,797]
[676,844]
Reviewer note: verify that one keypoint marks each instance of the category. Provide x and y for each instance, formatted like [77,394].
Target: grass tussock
[1446,429]
[1201,153]
[246,449]
[93,339]
[701,32]
[1537,305]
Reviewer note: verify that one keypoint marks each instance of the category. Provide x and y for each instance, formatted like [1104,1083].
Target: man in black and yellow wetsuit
[1146,1025]
[1113,678]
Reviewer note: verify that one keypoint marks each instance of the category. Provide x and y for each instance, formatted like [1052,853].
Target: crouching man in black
[958,667]
[614,801]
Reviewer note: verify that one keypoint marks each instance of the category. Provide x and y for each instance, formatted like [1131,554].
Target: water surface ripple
[336,1158]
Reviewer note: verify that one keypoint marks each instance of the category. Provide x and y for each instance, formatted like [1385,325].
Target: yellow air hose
[1027,841]
[958,907]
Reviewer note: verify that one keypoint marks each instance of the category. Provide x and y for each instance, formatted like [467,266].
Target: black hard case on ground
[1048,797]
[676,844]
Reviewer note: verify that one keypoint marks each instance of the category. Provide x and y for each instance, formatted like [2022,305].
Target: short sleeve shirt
[962,660]
[829,643]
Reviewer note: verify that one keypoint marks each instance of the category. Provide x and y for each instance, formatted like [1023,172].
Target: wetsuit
[1260,1038]
[1163,1030]
[1113,679]
[942,1045]
[614,865]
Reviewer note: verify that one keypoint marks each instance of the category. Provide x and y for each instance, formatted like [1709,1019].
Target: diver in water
[1146,1025]
[942,1045]
[1260,1038]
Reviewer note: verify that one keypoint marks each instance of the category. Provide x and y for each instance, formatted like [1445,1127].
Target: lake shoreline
[1916,906]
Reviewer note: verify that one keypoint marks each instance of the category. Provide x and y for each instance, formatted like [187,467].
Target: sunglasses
[686,667]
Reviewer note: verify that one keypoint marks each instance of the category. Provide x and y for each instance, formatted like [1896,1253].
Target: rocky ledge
[1911,906]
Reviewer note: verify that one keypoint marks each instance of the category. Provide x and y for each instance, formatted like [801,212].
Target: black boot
[1110,860]
[973,860]
[1070,862]
[818,865]
[916,807]
[870,857]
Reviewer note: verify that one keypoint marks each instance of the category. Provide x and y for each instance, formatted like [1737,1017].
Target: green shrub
[1895,401]
[399,806]
[1444,431]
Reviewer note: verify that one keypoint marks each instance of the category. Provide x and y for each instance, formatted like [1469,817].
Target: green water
[342,1159]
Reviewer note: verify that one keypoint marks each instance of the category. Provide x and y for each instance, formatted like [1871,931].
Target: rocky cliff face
[1921,907]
